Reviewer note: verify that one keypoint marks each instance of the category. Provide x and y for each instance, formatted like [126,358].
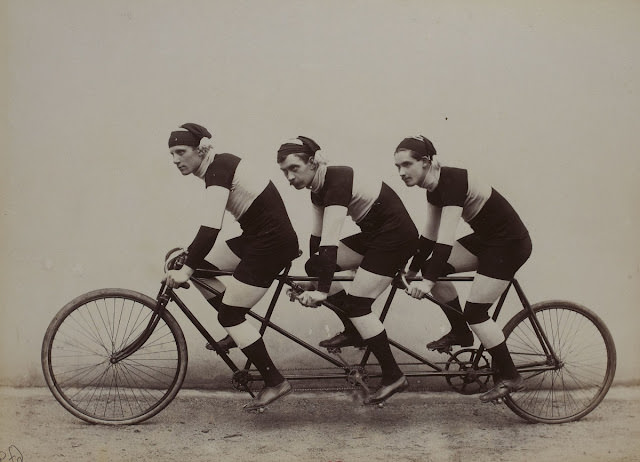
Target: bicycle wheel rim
[78,350]
[587,357]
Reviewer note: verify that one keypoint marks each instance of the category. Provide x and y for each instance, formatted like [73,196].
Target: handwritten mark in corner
[13,454]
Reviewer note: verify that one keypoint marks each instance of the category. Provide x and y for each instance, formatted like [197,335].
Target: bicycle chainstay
[317,388]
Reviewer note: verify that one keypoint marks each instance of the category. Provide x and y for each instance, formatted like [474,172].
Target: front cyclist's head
[299,160]
[188,146]
[413,158]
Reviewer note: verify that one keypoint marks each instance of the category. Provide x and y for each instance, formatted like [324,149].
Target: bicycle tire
[587,354]
[80,341]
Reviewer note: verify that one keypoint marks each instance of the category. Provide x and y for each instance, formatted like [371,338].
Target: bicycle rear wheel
[571,389]
[83,337]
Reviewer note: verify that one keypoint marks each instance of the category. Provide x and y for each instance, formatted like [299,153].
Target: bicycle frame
[432,369]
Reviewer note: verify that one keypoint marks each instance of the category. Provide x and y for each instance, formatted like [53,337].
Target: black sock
[381,349]
[503,362]
[258,355]
[456,319]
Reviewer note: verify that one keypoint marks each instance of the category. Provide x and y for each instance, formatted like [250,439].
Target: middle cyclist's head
[298,158]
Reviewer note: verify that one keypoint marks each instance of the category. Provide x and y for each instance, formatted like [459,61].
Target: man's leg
[366,287]
[224,259]
[461,260]
[348,260]
[238,299]
[484,292]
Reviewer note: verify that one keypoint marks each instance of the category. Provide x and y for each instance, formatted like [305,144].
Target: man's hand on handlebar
[401,279]
[418,289]
[312,298]
[178,278]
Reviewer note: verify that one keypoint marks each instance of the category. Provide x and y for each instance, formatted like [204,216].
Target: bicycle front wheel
[81,341]
[567,390]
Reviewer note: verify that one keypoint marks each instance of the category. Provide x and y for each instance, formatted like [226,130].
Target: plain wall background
[541,98]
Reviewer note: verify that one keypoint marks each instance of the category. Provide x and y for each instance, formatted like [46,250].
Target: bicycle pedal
[334,350]
[208,346]
[255,410]
[446,350]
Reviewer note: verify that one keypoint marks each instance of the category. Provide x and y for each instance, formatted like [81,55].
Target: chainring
[471,379]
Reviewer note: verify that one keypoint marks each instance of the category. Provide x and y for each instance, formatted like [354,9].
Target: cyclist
[388,238]
[267,244]
[497,248]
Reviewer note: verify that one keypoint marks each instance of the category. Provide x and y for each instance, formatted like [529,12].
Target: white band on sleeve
[215,202]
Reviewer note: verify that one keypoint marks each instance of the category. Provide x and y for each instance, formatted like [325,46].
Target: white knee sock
[243,334]
[488,332]
[368,325]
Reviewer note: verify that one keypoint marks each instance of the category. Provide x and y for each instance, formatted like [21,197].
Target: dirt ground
[319,427]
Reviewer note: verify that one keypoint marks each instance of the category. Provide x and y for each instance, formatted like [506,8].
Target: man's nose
[290,176]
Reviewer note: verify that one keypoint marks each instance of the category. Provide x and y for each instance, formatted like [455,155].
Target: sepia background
[540,98]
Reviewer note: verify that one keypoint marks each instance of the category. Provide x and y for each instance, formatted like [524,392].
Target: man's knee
[447,268]
[356,307]
[312,265]
[444,291]
[229,316]
[476,313]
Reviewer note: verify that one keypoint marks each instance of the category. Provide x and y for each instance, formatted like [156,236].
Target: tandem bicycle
[116,356]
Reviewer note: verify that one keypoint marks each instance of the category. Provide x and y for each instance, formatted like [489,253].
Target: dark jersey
[388,234]
[487,212]
[492,218]
[253,201]
[243,182]
[340,185]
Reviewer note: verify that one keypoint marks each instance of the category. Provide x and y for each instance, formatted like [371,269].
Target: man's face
[411,170]
[186,158]
[298,173]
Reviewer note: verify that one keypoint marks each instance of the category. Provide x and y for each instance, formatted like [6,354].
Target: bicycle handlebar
[403,279]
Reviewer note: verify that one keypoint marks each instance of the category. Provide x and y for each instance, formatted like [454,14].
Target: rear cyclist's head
[298,158]
[413,158]
[188,146]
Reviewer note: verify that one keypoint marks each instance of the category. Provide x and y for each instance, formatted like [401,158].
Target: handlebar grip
[403,279]
[175,259]
[400,281]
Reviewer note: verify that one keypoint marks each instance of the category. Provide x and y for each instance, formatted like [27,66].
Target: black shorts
[257,268]
[268,241]
[498,259]
[388,238]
